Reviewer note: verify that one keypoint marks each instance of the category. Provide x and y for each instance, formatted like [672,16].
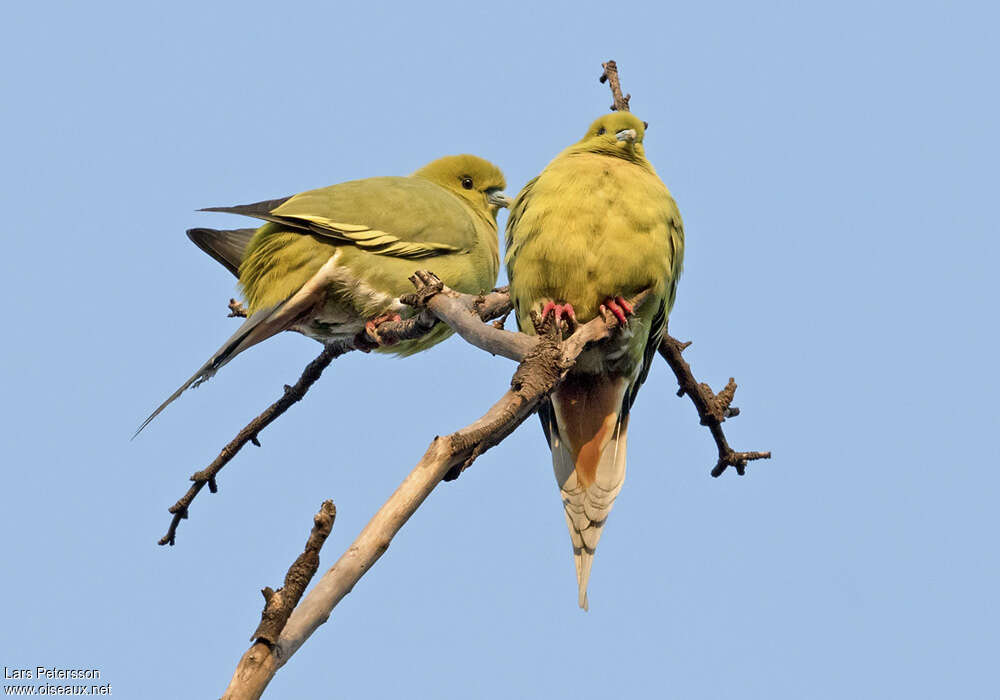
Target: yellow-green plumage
[596,224]
[382,229]
[330,260]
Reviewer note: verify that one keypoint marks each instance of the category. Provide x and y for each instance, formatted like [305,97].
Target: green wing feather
[395,216]
[371,239]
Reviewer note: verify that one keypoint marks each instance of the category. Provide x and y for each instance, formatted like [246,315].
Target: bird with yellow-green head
[331,262]
[594,229]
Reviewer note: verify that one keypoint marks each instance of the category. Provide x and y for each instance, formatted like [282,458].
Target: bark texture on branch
[610,76]
[257,666]
[712,408]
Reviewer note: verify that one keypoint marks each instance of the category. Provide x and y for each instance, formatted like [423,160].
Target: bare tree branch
[488,307]
[279,604]
[541,368]
[610,76]
[292,395]
[448,304]
[257,664]
[712,408]
[236,309]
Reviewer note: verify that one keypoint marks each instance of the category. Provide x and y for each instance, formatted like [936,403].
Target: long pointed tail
[587,433]
[261,325]
[252,331]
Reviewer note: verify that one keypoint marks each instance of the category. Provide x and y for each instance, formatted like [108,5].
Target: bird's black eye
[467,183]
[601,131]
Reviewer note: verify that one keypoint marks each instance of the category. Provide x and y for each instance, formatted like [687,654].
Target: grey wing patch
[226,247]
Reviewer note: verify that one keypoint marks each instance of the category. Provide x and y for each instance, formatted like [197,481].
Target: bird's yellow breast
[592,227]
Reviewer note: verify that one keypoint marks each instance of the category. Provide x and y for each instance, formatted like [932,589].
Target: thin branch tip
[471,310]
[236,309]
[713,409]
[249,433]
[737,460]
[610,76]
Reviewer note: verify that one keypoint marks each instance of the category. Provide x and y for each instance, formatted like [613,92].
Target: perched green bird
[594,229]
[332,261]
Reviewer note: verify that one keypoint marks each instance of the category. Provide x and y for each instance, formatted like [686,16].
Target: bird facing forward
[594,229]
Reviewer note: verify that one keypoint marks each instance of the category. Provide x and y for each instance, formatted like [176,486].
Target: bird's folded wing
[370,239]
[399,217]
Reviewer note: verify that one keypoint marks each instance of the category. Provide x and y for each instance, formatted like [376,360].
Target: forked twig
[713,409]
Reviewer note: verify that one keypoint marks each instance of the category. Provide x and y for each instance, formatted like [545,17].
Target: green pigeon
[331,262]
[594,229]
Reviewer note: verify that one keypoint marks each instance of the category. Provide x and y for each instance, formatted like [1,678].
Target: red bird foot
[619,307]
[371,333]
[560,313]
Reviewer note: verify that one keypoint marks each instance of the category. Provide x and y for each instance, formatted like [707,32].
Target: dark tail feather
[242,339]
[227,247]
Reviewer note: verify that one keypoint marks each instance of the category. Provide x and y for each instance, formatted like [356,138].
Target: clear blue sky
[836,169]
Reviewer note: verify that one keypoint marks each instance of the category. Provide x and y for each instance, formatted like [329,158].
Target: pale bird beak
[499,199]
[626,135]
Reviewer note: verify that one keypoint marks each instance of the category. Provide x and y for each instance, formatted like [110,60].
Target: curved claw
[620,308]
[627,307]
[560,312]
